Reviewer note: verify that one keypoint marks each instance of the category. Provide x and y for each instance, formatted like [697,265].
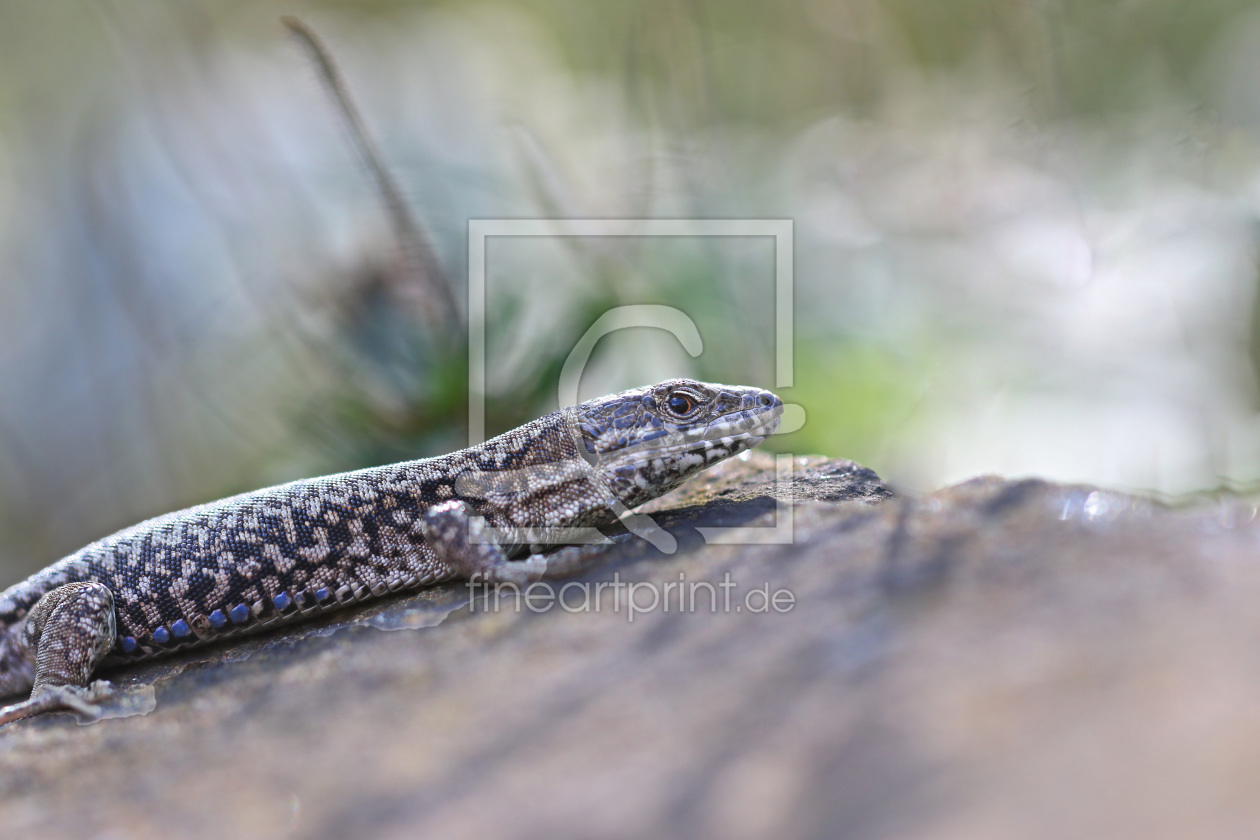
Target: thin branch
[417,250]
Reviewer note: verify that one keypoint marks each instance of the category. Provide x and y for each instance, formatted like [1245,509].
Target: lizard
[285,553]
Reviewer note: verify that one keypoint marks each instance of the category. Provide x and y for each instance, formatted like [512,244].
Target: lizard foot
[81,700]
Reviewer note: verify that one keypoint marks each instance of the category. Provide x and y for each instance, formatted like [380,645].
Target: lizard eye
[680,404]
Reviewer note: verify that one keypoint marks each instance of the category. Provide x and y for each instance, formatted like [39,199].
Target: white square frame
[781,230]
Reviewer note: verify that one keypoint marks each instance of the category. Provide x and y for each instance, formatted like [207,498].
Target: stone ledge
[997,659]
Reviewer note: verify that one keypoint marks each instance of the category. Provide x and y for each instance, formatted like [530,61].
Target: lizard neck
[536,476]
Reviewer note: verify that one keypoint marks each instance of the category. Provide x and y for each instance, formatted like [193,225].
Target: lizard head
[647,441]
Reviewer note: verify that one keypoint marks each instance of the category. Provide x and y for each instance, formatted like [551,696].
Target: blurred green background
[1024,235]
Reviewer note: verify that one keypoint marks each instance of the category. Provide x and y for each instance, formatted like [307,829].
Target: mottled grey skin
[285,553]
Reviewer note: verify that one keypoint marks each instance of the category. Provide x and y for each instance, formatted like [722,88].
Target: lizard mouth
[718,438]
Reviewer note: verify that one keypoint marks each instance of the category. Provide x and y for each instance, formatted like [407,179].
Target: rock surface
[1000,659]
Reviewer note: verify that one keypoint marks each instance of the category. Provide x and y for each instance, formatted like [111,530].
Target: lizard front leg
[462,541]
[67,632]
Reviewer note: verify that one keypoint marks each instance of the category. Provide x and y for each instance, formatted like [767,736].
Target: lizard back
[251,561]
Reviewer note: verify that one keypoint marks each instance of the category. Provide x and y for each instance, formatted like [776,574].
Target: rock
[998,659]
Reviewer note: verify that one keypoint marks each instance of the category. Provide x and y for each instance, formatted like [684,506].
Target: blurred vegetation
[1024,234]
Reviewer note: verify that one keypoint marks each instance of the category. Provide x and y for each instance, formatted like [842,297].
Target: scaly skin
[285,553]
